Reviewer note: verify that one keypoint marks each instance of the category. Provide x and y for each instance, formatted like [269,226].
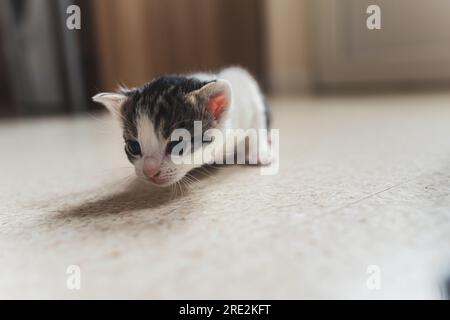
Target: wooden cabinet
[141,39]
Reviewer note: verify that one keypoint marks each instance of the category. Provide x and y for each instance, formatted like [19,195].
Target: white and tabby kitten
[230,99]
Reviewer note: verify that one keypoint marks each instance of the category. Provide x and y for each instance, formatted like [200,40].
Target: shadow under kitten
[136,196]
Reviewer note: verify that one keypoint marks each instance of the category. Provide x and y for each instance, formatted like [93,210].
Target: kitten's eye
[171,145]
[133,147]
[183,147]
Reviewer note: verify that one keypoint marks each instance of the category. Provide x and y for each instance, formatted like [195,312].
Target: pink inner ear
[217,104]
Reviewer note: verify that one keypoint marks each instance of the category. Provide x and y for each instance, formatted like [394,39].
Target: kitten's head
[151,113]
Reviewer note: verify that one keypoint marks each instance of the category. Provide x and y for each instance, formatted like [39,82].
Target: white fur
[246,109]
[112,101]
[148,138]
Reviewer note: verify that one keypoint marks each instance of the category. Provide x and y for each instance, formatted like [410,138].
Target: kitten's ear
[112,101]
[216,96]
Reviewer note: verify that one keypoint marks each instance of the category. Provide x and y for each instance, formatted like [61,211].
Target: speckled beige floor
[363,181]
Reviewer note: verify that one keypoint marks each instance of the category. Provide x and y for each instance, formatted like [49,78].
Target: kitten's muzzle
[151,168]
[151,173]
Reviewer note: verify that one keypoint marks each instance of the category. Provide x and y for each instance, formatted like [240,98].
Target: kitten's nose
[151,172]
[151,168]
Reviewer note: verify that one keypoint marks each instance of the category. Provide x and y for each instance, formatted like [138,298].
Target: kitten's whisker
[182,185]
[181,188]
[176,190]
[205,173]
[188,180]
[190,176]
[186,185]
[171,192]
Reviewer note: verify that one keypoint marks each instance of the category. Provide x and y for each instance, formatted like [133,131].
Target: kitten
[149,115]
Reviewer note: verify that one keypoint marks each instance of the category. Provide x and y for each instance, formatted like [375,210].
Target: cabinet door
[142,39]
[413,43]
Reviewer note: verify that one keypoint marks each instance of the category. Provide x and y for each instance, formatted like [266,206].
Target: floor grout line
[373,194]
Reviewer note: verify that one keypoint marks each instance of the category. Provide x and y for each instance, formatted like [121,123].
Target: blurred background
[290,46]
[364,119]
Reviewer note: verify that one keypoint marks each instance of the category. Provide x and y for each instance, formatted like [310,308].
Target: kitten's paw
[265,159]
